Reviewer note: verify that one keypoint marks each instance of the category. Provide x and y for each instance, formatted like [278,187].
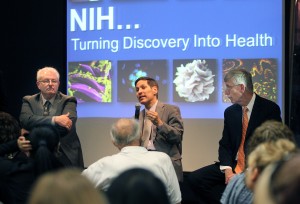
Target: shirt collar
[44,100]
[153,108]
[251,103]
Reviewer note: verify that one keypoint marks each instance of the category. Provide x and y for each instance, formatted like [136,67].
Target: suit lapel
[160,110]
[255,116]
[56,103]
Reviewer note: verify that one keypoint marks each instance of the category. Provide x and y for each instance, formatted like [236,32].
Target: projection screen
[186,45]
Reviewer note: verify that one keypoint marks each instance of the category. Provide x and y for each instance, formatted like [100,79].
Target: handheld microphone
[137,111]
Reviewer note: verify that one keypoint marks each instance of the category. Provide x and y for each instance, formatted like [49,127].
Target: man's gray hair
[124,131]
[240,76]
[39,72]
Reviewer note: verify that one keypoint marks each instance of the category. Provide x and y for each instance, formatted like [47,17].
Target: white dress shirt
[103,171]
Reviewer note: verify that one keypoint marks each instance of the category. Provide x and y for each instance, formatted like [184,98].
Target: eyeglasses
[47,81]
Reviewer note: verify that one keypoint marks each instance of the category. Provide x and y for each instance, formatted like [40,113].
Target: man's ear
[243,87]
[154,88]
[255,175]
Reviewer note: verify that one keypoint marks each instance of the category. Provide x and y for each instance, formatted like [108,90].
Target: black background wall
[34,37]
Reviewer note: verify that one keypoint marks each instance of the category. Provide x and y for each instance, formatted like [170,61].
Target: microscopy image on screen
[130,70]
[264,75]
[194,80]
[90,81]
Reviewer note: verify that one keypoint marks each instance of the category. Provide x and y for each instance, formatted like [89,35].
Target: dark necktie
[46,108]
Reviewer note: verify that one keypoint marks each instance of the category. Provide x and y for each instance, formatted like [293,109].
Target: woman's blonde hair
[65,186]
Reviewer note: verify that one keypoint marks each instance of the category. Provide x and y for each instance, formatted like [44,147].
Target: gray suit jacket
[32,115]
[168,137]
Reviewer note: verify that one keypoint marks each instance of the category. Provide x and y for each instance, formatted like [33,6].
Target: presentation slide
[186,45]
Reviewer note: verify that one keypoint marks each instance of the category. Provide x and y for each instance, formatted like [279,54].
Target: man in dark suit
[210,181]
[52,107]
[161,124]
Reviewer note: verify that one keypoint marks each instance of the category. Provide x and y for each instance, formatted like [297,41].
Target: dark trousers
[208,183]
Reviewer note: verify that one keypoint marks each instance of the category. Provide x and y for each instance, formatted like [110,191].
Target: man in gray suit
[52,107]
[161,124]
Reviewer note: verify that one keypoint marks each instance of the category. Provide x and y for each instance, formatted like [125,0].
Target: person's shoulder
[66,97]
[159,154]
[168,105]
[31,97]
[233,107]
[97,164]
[264,100]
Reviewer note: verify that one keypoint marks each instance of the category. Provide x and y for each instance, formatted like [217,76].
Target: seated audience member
[136,186]
[265,154]
[10,140]
[125,135]
[279,183]
[270,131]
[9,132]
[50,106]
[65,186]
[17,176]
[247,112]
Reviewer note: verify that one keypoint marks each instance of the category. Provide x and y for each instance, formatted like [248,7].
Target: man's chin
[142,101]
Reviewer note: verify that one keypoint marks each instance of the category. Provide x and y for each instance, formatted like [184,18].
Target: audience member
[265,154]
[248,111]
[161,123]
[136,186]
[17,176]
[52,107]
[65,186]
[270,131]
[125,135]
[279,183]
[9,132]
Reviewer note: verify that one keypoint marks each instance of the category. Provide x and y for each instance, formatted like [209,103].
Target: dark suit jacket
[32,115]
[17,177]
[168,138]
[263,110]
[8,147]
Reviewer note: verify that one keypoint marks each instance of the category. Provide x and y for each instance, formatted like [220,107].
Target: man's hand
[154,118]
[64,121]
[24,145]
[24,131]
[228,175]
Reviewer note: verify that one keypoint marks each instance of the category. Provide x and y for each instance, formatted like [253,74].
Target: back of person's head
[125,131]
[240,76]
[137,186]
[280,182]
[9,127]
[44,140]
[270,130]
[265,154]
[66,186]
